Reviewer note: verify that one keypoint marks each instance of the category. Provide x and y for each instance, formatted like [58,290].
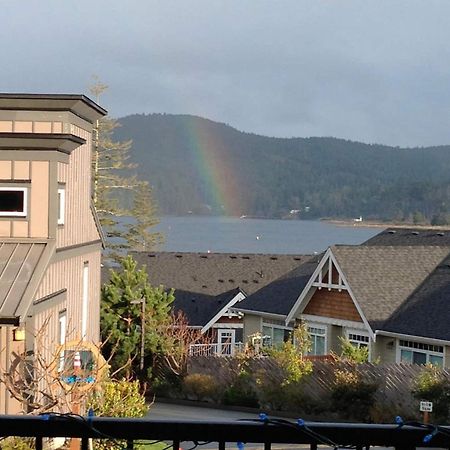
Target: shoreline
[370,224]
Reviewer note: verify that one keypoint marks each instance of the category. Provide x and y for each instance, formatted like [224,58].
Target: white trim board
[237,298]
[411,337]
[332,321]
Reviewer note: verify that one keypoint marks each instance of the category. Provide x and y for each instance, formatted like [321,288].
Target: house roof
[411,236]
[383,278]
[280,296]
[21,266]
[200,308]
[427,311]
[215,273]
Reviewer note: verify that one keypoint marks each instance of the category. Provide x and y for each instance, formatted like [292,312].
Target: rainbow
[217,173]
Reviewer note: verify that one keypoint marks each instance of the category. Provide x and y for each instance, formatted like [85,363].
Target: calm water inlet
[233,235]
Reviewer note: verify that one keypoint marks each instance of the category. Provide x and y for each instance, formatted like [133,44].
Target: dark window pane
[11,201]
[419,358]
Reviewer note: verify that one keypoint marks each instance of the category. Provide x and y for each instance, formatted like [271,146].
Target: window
[420,353]
[357,339]
[13,201]
[318,340]
[274,336]
[61,205]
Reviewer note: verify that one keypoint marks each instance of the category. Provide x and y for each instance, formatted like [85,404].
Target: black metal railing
[261,431]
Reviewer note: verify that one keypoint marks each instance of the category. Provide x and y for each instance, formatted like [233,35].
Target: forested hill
[198,165]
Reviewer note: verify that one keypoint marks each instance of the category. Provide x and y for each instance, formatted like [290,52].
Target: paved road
[163,411]
[171,411]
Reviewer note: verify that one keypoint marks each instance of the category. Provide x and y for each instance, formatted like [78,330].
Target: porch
[216,349]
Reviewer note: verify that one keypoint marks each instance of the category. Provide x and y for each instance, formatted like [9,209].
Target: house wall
[332,303]
[79,226]
[252,325]
[67,273]
[10,348]
[384,349]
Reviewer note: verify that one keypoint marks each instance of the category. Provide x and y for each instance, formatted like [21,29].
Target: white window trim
[62,205]
[399,348]
[349,331]
[85,300]
[25,202]
[323,327]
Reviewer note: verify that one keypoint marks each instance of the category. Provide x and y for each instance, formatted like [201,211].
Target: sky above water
[366,70]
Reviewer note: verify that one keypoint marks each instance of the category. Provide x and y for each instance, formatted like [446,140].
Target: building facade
[50,239]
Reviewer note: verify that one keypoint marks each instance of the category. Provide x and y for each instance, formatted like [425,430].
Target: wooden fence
[394,381]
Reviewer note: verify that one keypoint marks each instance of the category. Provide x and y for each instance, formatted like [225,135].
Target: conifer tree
[121,316]
[118,193]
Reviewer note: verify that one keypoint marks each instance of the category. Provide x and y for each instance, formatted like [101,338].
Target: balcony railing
[260,431]
[216,349]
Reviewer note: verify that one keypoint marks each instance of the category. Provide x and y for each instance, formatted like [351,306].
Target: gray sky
[368,70]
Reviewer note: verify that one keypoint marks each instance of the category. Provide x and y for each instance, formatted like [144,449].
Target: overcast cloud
[373,71]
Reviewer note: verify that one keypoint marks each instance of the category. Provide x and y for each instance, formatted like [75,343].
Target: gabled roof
[382,278]
[215,273]
[21,267]
[280,296]
[200,308]
[411,236]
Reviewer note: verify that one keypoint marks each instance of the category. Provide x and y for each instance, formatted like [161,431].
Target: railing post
[176,445]
[38,443]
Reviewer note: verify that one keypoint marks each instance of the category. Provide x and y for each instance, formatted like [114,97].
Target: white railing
[216,349]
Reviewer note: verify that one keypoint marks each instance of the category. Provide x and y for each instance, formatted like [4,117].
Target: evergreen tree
[117,192]
[121,316]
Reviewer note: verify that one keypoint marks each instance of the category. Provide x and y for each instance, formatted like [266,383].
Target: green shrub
[432,385]
[358,355]
[241,392]
[201,386]
[352,396]
[117,399]
[17,443]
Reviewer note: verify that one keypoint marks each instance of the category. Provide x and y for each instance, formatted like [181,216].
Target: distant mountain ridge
[183,156]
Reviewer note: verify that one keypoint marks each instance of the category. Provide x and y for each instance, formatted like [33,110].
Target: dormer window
[13,201]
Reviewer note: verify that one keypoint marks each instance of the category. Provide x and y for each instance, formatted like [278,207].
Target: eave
[79,105]
[61,142]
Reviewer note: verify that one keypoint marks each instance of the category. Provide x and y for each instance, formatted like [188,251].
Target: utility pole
[142,302]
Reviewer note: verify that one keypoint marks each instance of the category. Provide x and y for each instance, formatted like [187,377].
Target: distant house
[208,285]
[389,294]
[50,241]
[213,316]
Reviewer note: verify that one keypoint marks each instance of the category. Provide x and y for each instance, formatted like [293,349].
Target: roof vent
[273,258]
[204,256]
[297,258]
[440,233]
[233,257]
[231,280]
[220,280]
[255,281]
[392,232]
[415,233]
[246,257]
[204,286]
[245,281]
[151,255]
